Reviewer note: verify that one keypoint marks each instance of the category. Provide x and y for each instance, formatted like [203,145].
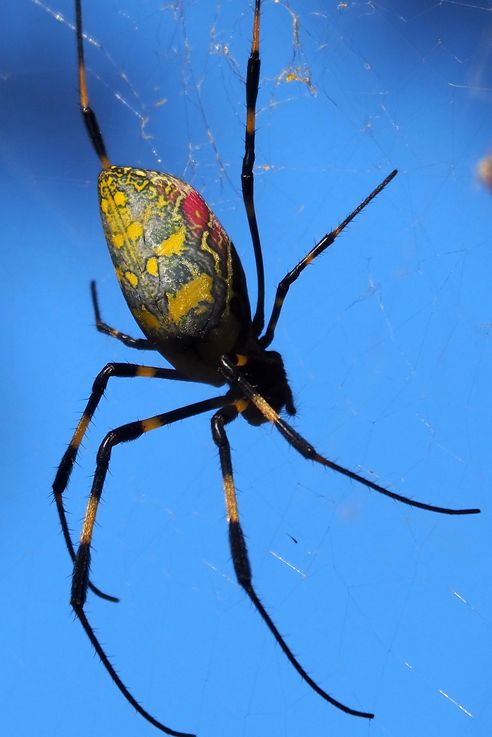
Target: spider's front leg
[122,370]
[80,579]
[130,431]
[122,434]
[240,557]
[234,377]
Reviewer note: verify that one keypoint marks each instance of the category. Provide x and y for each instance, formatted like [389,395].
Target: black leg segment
[141,344]
[80,579]
[233,375]
[240,558]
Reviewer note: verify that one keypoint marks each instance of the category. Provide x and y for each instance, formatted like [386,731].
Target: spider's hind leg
[327,240]
[141,344]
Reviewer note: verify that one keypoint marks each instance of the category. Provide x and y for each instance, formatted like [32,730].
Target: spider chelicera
[185,286]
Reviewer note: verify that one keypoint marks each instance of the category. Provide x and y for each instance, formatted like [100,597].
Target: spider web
[386,341]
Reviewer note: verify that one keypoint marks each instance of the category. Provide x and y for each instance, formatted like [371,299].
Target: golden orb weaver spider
[186,288]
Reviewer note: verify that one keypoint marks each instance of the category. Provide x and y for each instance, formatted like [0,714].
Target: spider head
[265,371]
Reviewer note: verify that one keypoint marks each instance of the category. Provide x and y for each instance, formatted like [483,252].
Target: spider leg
[234,377]
[247,176]
[323,244]
[240,558]
[119,683]
[88,115]
[80,579]
[62,477]
[141,344]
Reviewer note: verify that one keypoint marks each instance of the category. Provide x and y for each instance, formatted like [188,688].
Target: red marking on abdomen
[195,210]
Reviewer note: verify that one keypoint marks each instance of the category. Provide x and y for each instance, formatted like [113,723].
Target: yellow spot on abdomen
[147,320]
[152,266]
[118,240]
[131,278]
[134,230]
[173,244]
[120,199]
[190,296]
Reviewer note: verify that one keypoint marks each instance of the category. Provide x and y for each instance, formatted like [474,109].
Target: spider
[185,286]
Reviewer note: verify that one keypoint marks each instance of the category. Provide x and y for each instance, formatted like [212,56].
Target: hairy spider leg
[320,247]
[240,557]
[235,378]
[124,433]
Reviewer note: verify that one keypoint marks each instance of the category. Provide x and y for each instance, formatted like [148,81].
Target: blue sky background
[387,342]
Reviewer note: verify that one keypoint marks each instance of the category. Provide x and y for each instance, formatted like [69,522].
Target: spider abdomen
[176,266]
